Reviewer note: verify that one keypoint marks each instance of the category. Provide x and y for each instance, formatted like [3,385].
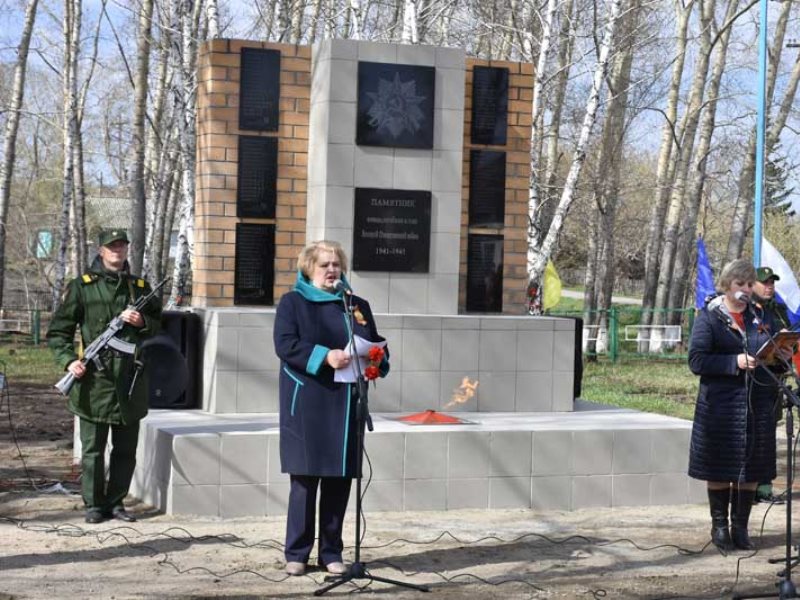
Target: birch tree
[538,256]
[669,142]
[599,282]
[683,158]
[12,130]
[140,94]
[71,30]
[186,22]
[687,225]
[746,185]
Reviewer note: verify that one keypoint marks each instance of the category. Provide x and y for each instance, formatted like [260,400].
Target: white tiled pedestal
[521,364]
[193,462]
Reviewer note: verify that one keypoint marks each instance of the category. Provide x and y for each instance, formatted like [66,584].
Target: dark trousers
[335,492]
[94,437]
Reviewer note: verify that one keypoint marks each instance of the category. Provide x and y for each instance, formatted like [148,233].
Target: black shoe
[119,512]
[95,515]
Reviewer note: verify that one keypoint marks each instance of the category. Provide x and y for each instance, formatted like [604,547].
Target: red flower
[371,372]
[375,354]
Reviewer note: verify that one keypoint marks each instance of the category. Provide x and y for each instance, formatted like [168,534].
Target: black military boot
[741,503]
[718,501]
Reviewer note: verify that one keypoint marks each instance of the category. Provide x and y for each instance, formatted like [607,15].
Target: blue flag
[705,277]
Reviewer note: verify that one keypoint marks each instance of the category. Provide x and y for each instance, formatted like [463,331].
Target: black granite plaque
[487,188]
[255,264]
[485,273]
[259,89]
[489,105]
[392,230]
[395,105]
[257,177]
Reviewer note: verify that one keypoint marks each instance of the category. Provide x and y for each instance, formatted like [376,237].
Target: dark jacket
[778,310]
[317,415]
[90,302]
[733,438]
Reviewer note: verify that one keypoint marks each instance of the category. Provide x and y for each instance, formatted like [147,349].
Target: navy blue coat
[733,437]
[317,415]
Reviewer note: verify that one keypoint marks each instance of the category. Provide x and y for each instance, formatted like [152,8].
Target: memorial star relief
[395,107]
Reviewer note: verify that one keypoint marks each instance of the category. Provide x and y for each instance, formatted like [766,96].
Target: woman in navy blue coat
[317,414]
[733,437]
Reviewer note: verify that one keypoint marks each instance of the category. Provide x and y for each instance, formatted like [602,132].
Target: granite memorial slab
[254,264]
[395,105]
[489,105]
[487,188]
[257,176]
[259,89]
[392,230]
[485,273]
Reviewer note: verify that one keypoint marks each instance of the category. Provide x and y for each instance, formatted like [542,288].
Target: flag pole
[761,122]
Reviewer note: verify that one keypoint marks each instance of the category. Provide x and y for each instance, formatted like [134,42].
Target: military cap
[764,274]
[113,235]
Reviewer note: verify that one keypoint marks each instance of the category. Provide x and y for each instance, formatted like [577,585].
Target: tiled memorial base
[193,462]
[520,364]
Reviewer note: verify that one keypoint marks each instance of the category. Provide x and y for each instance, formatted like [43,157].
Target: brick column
[217,159]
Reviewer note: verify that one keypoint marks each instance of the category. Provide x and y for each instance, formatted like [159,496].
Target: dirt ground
[47,551]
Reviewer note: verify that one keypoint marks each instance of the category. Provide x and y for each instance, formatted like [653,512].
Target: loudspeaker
[172,360]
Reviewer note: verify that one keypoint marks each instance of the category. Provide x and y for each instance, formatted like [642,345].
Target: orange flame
[463,392]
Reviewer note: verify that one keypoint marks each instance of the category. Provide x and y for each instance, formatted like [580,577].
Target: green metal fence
[22,324]
[621,332]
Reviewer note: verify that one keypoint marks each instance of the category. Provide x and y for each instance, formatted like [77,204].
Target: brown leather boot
[718,501]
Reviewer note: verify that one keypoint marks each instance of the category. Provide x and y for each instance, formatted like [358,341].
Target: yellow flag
[552,287]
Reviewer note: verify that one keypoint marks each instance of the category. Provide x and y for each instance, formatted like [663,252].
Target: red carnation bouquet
[375,356]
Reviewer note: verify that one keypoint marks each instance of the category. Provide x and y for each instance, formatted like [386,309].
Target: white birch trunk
[688,223]
[212,15]
[669,140]
[70,90]
[11,131]
[410,34]
[534,233]
[538,257]
[186,113]
[140,93]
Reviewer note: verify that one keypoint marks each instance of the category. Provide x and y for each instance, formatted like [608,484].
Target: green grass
[663,387]
[26,364]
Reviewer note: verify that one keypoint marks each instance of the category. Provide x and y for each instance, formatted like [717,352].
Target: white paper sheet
[349,374]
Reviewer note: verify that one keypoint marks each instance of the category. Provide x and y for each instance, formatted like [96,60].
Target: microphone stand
[359,570]
[785,587]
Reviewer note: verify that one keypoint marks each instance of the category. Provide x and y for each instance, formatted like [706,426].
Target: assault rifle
[108,339]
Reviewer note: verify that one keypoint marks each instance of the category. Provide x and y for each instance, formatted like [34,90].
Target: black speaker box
[173,362]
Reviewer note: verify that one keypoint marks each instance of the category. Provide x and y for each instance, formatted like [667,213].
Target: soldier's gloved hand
[77,368]
[132,317]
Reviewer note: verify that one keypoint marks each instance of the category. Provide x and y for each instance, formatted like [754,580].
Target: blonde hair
[309,255]
[741,269]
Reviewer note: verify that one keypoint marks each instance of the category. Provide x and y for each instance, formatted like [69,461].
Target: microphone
[746,298]
[343,286]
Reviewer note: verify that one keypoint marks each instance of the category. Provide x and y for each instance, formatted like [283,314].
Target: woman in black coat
[318,429]
[733,437]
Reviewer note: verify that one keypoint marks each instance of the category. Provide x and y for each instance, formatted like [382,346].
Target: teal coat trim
[317,359]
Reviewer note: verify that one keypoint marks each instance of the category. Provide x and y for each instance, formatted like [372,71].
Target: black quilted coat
[733,438]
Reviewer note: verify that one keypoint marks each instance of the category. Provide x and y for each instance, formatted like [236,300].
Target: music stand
[358,569]
[782,340]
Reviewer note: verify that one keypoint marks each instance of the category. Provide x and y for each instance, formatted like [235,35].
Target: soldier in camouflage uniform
[764,295]
[115,398]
